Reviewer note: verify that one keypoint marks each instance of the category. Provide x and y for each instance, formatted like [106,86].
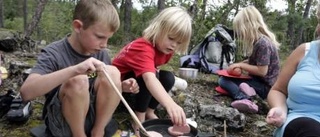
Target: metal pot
[161,126]
[188,73]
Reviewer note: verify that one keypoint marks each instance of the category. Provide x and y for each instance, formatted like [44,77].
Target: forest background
[50,20]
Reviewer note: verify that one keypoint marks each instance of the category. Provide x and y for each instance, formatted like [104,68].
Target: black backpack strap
[203,60]
[186,63]
[225,54]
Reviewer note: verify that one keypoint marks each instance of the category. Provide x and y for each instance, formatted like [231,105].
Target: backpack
[215,52]
[5,102]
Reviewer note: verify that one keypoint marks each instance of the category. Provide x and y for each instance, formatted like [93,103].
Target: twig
[225,128]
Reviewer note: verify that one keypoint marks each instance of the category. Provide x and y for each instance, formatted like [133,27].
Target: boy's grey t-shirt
[59,55]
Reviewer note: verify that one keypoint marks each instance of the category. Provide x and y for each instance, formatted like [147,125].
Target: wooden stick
[225,128]
[135,118]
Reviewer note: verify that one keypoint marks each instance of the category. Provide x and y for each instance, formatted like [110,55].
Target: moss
[31,62]
[34,123]
[4,33]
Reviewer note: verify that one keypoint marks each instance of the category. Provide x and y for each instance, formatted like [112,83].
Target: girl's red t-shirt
[140,56]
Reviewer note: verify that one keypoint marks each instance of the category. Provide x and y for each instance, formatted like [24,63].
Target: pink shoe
[245,105]
[245,88]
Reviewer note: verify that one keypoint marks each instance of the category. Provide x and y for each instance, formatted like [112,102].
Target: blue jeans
[231,85]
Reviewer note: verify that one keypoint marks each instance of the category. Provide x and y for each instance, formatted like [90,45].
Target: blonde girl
[168,32]
[260,45]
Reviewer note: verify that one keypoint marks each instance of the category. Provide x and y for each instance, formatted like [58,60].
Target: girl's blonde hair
[174,22]
[249,26]
[93,11]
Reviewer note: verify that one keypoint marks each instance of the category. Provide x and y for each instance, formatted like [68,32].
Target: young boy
[80,100]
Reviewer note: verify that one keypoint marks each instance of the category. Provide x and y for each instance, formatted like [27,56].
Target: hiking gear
[245,105]
[245,88]
[188,73]
[214,53]
[19,111]
[5,102]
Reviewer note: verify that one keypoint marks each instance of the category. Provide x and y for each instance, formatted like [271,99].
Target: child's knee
[220,81]
[113,71]
[75,86]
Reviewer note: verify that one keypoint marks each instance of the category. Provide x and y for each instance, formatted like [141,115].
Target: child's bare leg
[74,96]
[141,116]
[150,114]
[107,100]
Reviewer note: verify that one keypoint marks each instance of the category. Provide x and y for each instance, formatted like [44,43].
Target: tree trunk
[228,7]
[127,20]
[161,5]
[1,14]
[301,28]
[291,19]
[36,17]
[193,9]
[114,3]
[203,8]
[25,15]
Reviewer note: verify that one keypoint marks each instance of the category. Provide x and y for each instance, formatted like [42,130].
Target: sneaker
[19,111]
[5,102]
[245,105]
[245,88]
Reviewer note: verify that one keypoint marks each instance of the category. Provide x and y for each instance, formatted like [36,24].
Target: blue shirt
[304,89]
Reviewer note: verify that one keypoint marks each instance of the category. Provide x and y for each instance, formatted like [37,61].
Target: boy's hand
[89,66]
[130,86]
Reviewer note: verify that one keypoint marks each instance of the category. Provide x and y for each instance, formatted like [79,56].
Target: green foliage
[277,24]
[173,64]
[14,24]
[55,22]
[12,9]
[57,17]
[140,20]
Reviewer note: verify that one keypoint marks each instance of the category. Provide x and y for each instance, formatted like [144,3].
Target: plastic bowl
[188,73]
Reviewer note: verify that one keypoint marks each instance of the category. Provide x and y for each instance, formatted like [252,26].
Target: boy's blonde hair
[93,11]
[249,26]
[172,21]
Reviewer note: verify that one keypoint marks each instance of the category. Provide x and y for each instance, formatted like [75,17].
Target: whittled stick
[135,118]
